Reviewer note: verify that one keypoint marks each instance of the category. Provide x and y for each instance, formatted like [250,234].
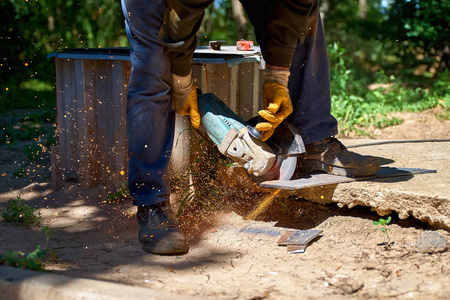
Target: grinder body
[236,138]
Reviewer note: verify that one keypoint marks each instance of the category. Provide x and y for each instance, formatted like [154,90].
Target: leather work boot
[158,230]
[331,156]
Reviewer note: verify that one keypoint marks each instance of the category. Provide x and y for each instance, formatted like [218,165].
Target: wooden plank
[90,99]
[234,87]
[248,91]
[119,147]
[219,81]
[199,77]
[56,158]
[79,121]
[65,123]
[72,131]
[102,119]
[257,86]
[91,109]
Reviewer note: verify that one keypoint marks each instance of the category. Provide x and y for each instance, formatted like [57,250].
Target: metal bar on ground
[319,179]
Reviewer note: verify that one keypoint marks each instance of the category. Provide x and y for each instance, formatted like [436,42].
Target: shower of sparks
[258,210]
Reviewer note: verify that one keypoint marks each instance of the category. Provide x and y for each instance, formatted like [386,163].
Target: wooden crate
[91,90]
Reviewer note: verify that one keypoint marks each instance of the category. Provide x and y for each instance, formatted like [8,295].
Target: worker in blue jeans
[296,87]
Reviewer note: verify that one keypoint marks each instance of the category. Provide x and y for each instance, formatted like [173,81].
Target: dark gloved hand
[276,101]
[184,98]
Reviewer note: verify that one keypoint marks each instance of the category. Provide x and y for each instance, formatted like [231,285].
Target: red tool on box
[244,45]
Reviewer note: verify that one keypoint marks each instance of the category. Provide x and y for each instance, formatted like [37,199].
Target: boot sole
[165,248]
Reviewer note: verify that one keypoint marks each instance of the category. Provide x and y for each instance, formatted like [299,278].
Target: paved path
[21,284]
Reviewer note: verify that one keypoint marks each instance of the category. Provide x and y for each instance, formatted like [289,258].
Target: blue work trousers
[151,120]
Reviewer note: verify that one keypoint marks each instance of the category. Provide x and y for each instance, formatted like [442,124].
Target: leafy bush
[32,261]
[32,151]
[18,213]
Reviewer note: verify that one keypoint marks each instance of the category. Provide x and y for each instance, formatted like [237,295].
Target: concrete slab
[21,284]
[424,196]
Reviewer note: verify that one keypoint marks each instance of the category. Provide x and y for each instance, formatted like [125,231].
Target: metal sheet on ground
[320,179]
[298,237]
[297,240]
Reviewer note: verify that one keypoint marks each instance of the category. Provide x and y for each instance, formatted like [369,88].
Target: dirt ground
[231,257]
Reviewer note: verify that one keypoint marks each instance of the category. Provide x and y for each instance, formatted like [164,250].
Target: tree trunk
[240,19]
[324,9]
[444,63]
[362,9]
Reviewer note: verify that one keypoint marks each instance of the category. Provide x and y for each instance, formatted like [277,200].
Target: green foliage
[35,260]
[385,230]
[384,47]
[14,97]
[382,222]
[349,109]
[118,196]
[386,122]
[219,25]
[444,116]
[21,173]
[357,107]
[27,127]
[285,207]
[18,213]
[51,140]
[407,32]
[419,28]
[33,29]
[32,151]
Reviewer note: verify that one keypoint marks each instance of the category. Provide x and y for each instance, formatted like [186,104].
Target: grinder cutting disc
[282,169]
[286,143]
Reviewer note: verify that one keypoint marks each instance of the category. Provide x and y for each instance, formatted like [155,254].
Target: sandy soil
[229,257]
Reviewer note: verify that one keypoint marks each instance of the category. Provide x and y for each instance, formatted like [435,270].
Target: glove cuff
[182,84]
[281,76]
[181,88]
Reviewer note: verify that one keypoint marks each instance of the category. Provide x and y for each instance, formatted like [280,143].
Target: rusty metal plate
[297,240]
[320,179]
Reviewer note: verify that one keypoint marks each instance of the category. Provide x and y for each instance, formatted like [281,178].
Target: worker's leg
[150,118]
[150,127]
[309,84]
[309,89]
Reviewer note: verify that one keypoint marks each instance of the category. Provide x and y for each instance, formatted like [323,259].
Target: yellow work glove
[184,98]
[276,101]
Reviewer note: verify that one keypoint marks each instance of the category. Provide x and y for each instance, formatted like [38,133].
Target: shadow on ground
[95,238]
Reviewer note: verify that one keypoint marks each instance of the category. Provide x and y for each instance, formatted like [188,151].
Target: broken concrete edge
[432,210]
[20,284]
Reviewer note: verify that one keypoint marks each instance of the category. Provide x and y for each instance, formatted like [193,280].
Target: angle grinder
[274,159]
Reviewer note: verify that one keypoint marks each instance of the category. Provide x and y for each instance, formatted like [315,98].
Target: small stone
[350,287]
[386,273]
[431,242]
